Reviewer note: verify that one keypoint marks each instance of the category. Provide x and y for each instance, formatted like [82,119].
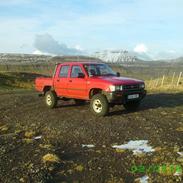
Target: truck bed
[41,82]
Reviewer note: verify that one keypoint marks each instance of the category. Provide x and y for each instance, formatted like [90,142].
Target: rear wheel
[99,105]
[132,106]
[51,99]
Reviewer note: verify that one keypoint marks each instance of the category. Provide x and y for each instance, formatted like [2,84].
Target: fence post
[150,83]
[154,84]
[173,78]
[157,82]
[162,80]
[179,78]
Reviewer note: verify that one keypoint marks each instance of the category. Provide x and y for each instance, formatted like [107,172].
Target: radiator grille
[131,87]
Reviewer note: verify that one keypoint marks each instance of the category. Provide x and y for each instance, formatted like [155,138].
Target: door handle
[70,80]
[58,79]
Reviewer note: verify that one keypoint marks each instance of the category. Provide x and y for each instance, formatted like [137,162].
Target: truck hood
[118,80]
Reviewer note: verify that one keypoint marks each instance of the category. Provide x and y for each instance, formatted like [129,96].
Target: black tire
[103,105]
[79,102]
[132,106]
[51,99]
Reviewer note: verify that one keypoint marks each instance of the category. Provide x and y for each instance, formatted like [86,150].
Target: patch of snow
[180,153]
[144,179]
[177,173]
[137,146]
[88,145]
[38,137]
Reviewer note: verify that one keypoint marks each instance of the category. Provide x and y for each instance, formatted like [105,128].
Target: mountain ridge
[114,56]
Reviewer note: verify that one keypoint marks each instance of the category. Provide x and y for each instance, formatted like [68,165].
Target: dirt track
[67,127]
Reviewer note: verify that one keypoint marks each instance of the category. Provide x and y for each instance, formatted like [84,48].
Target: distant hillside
[178,60]
[23,59]
[58,59]
[9,58]
[119,58]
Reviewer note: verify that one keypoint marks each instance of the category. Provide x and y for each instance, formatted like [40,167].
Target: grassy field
[22,76]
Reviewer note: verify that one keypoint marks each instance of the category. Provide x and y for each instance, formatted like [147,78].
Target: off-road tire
[79,101]
[131,106]
[99,105]
[51,99]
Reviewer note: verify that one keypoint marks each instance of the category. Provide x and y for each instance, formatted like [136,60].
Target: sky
[153,27]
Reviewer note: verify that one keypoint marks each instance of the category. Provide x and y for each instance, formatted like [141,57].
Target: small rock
[120,150]
[79,168]
[180,129]
[28,141]
[180,159]
[52,158]
[22,180]
[4,128]
[29,134]
[163,113]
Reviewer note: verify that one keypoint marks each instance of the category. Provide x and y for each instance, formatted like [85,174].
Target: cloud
[17,34]
[45,43]
[141,48]
[78,47]
[38,52]
[94,24]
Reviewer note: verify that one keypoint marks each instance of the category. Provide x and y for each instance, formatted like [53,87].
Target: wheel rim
[97,106]
[48,100]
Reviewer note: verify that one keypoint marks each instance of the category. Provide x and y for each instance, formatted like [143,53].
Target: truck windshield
[99,70]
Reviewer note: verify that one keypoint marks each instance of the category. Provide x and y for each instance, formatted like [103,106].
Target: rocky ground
[69,144]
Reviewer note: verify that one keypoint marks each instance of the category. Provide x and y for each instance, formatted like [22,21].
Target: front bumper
[121,97]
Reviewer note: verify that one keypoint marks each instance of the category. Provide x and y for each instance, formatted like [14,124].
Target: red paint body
[79,88]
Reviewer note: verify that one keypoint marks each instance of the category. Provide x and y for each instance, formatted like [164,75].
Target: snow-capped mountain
[118,56]
[115,56]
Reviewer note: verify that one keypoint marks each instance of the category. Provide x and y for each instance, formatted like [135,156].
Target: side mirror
[118,74]
[81,75]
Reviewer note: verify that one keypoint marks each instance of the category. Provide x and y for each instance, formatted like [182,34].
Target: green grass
[13,81]
[166,85]
[19,79]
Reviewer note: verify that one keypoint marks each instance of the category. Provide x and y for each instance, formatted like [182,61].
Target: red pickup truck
[94,82]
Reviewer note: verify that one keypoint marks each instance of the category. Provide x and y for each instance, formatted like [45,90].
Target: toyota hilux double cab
[94,82]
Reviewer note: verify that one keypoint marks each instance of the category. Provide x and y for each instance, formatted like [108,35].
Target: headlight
[112,88]
[119,88]
[142,85]
[116,88]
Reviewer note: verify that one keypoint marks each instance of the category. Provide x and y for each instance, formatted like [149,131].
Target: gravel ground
[29,131]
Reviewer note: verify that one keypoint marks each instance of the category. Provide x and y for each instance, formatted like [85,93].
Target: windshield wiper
[108,74]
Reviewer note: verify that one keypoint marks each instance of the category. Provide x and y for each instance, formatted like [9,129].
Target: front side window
[75,71]
[64,71]
[99,70]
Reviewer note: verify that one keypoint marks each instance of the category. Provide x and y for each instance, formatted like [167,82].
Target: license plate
[133,96]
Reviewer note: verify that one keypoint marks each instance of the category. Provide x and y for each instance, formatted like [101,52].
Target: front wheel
[132,106]
[51,99]
[99,105]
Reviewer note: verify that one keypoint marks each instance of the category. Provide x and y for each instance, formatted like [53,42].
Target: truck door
[77,83]
[61,80]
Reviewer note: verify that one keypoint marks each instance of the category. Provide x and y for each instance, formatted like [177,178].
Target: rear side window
[64,71]
[75,71]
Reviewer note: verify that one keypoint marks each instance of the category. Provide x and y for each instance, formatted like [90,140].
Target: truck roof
[83,62]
